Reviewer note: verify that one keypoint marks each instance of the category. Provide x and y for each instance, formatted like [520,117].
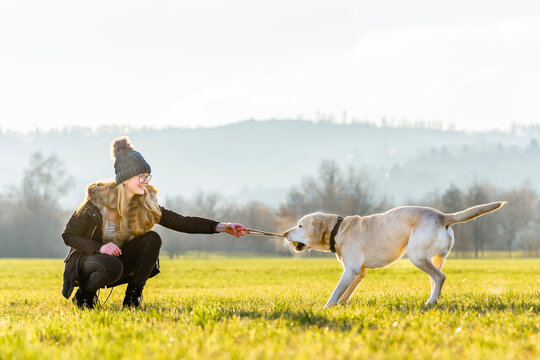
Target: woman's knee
[113,267]
[101,269]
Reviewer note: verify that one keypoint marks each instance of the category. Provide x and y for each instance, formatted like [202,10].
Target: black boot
[133,296]
[83,300]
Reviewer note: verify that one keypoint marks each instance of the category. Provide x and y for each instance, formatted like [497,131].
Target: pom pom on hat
[121,145]
[127,161]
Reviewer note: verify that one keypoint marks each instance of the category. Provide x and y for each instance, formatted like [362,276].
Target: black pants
[138,259]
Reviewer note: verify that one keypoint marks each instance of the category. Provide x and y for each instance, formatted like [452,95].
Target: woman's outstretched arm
[197,225]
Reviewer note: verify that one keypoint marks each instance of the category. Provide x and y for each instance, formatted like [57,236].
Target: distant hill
[261,160]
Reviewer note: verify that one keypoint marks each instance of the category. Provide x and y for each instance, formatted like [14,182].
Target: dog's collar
[333,234]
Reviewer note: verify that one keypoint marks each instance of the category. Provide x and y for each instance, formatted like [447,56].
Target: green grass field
[273,308]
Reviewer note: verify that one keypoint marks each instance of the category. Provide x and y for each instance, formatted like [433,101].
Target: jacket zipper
[100,221]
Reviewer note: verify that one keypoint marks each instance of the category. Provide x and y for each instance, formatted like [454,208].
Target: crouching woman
[110,234]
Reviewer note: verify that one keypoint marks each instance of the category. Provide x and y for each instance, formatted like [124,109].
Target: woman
[110,233]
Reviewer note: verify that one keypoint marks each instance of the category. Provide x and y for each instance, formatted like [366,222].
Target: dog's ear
[319,229]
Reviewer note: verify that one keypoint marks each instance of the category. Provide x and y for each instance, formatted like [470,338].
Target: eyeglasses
[143,178]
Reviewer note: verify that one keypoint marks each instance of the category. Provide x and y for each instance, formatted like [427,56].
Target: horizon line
[383,124]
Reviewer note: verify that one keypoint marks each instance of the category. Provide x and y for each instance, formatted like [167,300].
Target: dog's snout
[286,233]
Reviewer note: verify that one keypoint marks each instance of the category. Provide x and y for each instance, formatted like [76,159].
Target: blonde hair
[143,211]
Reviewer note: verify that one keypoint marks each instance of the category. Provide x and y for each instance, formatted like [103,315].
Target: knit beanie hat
[127,161]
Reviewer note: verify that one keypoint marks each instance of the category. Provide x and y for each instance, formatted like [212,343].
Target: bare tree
[33,225]
[517,215]
[484,229]
[206,205]
[531,241]
[360,195]
[259,216]
[45,180]
[333,192]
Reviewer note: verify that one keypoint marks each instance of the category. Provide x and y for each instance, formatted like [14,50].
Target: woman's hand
[110,249]
[230,228]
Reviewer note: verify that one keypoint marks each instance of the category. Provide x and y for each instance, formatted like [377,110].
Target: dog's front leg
[346,280]
[347,294]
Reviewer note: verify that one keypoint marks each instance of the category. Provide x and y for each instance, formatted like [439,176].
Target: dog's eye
[299,225]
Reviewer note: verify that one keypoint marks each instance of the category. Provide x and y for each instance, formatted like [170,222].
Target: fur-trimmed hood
[100,192]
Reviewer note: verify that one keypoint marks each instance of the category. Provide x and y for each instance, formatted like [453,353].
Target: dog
[368,242]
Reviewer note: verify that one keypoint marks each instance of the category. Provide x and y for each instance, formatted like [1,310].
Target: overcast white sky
[474,64]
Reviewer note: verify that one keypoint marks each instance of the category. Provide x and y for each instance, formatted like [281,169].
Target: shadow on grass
[292,319]
[480,303]
[359,315]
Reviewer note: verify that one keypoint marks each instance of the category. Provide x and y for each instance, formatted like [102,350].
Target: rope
[108,297]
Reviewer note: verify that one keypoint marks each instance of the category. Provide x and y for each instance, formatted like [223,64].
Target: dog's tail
[471,213]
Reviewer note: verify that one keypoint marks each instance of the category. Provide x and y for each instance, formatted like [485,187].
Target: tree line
[31,220]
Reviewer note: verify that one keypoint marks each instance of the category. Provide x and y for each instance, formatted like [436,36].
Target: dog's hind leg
[427,249]
[436,275]
[350,290]
[347,278]
[438,261]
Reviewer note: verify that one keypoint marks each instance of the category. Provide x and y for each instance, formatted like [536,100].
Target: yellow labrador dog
[367,242]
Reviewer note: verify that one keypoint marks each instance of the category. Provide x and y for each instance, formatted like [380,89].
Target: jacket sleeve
[76,231]
[187,224]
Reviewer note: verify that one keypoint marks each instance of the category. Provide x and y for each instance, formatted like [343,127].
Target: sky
[472,65]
